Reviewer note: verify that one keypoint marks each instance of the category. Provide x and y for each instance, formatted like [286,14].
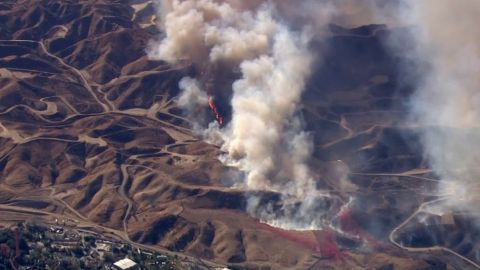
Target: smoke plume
[446,43]
[267,43]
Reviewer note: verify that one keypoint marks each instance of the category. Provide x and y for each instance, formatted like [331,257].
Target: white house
[125,264]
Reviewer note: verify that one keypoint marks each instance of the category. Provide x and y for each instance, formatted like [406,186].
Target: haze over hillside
[101,124]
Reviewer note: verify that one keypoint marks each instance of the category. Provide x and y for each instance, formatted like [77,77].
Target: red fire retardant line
[326,240]
[212,106]
[325,243]
[349,225]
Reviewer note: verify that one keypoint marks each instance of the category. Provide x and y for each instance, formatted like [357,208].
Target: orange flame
[212,106]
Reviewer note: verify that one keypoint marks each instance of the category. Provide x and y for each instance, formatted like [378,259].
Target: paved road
[35,215]
[121,191]
[428,249]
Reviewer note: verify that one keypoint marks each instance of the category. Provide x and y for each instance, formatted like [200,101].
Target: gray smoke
[445,40]
[267,42]
[192,96]
[265,138]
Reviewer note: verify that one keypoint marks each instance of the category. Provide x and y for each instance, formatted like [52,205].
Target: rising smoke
[264,138]
[445,41]
[192,100]
[267,43]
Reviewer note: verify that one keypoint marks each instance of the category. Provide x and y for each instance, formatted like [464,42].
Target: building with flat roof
[125,264]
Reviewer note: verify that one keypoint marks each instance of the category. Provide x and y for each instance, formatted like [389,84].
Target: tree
[23,246]
[5,235]
[91,240]
[78,251]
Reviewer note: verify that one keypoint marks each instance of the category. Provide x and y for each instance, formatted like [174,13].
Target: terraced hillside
[90,130]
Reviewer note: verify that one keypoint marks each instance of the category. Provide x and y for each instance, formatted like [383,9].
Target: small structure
[103,247]
[125,264]
[56,229]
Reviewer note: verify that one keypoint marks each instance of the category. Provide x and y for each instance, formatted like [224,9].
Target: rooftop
[125,263]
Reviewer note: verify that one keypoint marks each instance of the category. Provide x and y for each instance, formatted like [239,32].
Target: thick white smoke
[264,102]
[206,30]
[192,95]
[446,40]
[264,139]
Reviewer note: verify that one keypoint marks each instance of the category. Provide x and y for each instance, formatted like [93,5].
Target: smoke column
[446,42]
[264,138]
[268,42]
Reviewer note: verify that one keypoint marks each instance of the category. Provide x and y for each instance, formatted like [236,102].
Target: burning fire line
[213,107]
[325,243]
